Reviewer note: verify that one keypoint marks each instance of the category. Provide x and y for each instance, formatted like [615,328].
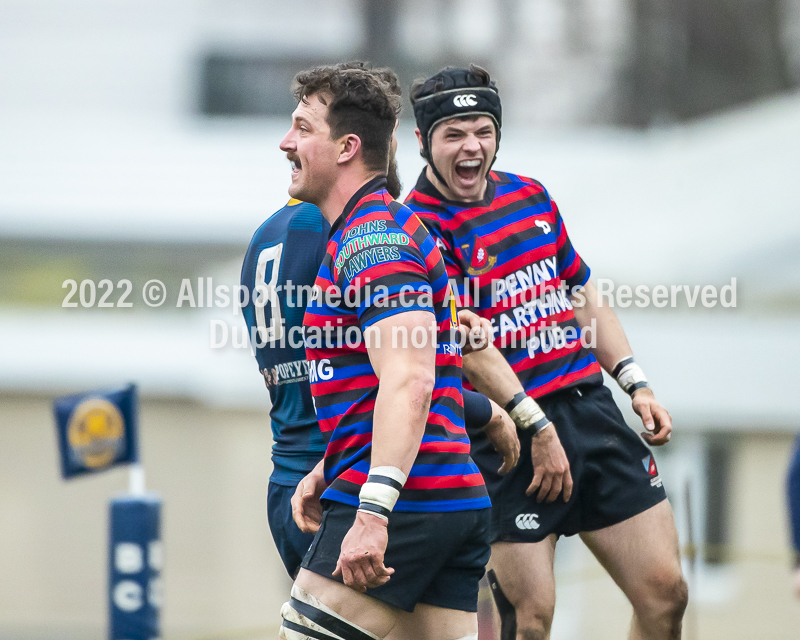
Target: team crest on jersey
[650,466]
[480,261]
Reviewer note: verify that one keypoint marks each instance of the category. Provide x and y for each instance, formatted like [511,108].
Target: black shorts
[614,473]
[291,542]
[438,558]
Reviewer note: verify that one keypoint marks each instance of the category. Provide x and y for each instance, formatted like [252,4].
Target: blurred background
[139,140]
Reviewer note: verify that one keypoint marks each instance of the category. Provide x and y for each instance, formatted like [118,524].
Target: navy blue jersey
[279,270]
[793,490]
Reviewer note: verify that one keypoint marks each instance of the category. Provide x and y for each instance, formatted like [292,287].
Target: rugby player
[793,494]
[285,252]
[298,445]
[279,267]
[504,241]
[403,537]
[278,271]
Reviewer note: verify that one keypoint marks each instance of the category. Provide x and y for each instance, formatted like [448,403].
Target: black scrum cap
[453,93]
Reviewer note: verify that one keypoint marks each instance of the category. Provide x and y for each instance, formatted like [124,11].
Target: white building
[105,172]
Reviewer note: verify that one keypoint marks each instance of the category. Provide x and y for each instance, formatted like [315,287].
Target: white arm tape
[526,413]
[389,472]
[630,375]
[381,494]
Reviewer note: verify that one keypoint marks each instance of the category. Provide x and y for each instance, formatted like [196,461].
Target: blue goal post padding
[793,495]
[134,567]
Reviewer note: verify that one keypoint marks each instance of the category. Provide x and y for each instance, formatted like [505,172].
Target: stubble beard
[309,191]
[393,184]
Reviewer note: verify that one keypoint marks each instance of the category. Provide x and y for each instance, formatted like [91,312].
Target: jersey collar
[426,187]
[376,184]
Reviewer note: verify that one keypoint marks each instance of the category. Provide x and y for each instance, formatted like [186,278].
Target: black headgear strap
[435,108]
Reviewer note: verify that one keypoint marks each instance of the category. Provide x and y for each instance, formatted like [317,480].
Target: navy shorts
[438,558]
[614,473]
[291,542]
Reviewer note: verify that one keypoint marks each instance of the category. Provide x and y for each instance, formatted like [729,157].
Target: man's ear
[419,138]
[349,147]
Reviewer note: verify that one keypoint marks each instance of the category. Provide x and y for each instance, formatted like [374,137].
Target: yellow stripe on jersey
[453,310]
[293,201]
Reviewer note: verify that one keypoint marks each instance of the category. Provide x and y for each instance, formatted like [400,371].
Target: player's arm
[793,495]
[407,376]
[481,414]
[490,374]
[306,505]
[615,356]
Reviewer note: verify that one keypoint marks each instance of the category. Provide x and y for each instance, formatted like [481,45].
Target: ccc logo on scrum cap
[465,100]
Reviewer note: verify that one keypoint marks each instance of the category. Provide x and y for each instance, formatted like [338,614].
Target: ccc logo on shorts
[465,100]
[527,521]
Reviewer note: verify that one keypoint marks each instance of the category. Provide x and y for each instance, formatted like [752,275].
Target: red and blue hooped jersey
[382,261]
[511,260]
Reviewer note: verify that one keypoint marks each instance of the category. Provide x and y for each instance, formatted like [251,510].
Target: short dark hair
[361,100]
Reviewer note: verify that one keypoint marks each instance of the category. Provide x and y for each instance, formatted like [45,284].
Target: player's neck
[448,193]
[342,190]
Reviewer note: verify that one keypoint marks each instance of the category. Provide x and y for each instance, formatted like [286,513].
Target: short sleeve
[383,274]
[477,411]
[571,268]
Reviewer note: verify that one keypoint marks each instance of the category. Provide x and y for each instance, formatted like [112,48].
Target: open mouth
[468,170]
[295,164]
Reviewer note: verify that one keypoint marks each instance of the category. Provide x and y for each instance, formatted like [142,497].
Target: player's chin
[469,193]
[296,189]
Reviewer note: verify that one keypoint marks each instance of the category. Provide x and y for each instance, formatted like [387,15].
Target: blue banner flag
[97,430]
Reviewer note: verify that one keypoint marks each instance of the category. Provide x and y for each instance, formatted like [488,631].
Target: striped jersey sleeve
[382,271]
[571,268]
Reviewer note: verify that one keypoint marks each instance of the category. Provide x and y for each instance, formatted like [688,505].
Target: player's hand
[655,418]
[475,331]
[306,507]
[551,474]
[361,560]
[502,433]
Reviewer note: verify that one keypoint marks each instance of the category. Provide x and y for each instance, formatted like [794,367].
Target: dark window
[234,84]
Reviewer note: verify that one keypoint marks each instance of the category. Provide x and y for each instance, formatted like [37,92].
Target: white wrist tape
[379,493]
[629,375]
[527,413]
